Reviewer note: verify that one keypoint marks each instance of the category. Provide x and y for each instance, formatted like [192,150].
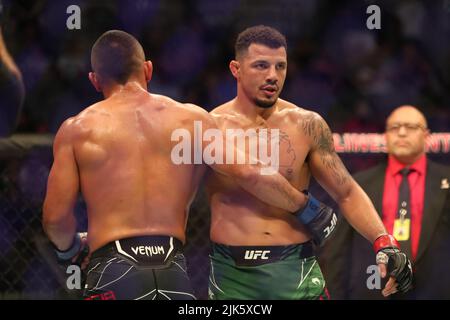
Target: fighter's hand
[319,219]
[391,285]
[391,261]
[77,253]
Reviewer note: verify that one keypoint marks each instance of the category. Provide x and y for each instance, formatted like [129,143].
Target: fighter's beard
[265,104]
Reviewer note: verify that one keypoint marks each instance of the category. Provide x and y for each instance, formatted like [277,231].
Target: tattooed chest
[281,148]
[292,156]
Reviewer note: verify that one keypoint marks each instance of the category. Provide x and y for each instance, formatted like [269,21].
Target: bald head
[116,56]
[406,133]
[407,113]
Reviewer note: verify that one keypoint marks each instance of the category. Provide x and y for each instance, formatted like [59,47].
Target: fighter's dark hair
[260,34]
[116,55]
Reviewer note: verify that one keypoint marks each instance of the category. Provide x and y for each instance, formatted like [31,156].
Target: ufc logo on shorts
[256,254]
[328,230]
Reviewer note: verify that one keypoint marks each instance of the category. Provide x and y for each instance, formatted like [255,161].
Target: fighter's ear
[95,82]
[235,68]
[148,70]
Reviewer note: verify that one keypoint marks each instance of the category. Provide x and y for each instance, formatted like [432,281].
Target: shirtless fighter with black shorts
[119,154]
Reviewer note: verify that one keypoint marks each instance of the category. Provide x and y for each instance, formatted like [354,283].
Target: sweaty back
[129,182]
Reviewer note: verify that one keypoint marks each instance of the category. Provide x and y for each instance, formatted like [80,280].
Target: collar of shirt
[394,166]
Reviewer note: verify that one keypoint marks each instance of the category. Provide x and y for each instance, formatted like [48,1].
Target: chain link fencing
[28,268]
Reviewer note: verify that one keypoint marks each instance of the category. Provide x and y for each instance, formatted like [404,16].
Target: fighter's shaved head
[116,55]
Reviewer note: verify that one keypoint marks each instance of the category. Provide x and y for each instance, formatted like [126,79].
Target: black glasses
[409,127]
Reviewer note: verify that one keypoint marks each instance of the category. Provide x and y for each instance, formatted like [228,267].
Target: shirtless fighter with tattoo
[263,252]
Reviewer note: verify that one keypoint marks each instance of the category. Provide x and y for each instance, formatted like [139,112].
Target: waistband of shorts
[145,244]
[257,255]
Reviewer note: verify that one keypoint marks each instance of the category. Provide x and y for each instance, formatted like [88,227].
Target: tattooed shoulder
[313,126]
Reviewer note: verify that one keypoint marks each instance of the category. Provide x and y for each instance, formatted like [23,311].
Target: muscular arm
[62,189]
[329,171]
[272,189]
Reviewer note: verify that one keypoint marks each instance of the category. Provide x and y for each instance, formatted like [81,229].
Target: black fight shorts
[147,267]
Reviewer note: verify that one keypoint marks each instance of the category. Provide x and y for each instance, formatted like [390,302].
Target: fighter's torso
[239,218]
[128,180]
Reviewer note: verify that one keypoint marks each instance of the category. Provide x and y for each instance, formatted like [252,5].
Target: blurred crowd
[351,75]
